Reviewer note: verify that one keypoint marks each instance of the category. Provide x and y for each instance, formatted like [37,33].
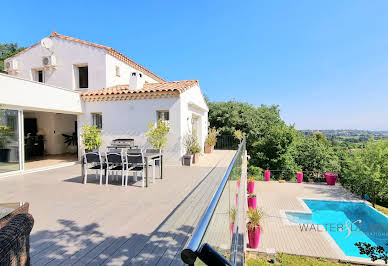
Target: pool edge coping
[341,255]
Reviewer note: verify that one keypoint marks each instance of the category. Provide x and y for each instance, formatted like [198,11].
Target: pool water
[346,222]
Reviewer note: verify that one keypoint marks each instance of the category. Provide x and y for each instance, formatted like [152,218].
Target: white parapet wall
[25,94]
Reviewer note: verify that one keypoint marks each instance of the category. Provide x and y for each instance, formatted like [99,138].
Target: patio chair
[134,151]
[115,162]
[135,164]
[95,159]
[154,162]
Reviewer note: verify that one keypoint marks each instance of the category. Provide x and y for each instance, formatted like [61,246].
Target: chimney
[136,81]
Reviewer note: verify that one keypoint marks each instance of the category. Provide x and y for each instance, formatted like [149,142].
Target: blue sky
[325,63]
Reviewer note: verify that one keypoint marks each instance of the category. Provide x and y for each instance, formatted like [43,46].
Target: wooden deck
[114,225]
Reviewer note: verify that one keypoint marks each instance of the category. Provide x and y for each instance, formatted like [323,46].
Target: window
[163,115]
[38,75]
[97,120]
[117,71]
[83,80]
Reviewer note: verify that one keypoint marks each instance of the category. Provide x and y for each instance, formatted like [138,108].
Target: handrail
[190,253]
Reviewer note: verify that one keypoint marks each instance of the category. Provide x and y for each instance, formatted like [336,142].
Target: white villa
[61,83]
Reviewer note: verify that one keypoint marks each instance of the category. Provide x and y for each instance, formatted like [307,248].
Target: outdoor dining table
[148,156]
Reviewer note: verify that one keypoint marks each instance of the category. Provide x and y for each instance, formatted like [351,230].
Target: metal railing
[215,218]
[227,142]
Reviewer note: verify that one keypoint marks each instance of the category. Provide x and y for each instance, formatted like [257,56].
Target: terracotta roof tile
[149,90]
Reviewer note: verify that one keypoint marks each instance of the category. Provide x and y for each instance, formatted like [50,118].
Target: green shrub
[256,171]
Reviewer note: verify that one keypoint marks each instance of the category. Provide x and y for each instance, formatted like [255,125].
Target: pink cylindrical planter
[254,237]
[252,202]
[267,175]
[238,184]
[299,177]
[232,228]
[331,178]
[251,187]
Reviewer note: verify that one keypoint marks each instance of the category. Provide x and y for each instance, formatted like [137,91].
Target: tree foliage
[91,137]
[373,252]
[315,154]
[8,50]
[366,171]
[157,134]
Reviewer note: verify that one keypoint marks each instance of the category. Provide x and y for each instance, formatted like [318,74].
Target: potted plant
[252,202]
[192,149]
[331,178]
[71,142]
[254,227]
[267,175]
[91,138]
[299,177]
[157,134]
[195,149]
[5,133]
[211,140]
[232,214]
[251,184]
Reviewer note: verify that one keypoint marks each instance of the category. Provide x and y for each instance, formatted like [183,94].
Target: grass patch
[284,259]
[382,209]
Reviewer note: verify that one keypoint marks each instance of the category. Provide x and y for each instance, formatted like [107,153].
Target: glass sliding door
[9,140]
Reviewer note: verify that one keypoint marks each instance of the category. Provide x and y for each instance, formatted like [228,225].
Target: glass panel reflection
[9,140]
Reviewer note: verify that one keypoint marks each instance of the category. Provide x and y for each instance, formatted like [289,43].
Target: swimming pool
[347,223]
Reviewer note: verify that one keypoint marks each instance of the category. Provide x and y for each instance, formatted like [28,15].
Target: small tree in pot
[91,138]
[211,140]
[157,134]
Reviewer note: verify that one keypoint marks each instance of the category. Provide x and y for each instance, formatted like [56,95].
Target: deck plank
[77,224]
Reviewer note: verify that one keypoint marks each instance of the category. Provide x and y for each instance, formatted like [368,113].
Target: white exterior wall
[193,104]
[22,94]
[68,54]
[128,119]
[125,72]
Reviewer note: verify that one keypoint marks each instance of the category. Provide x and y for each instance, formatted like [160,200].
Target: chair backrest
[135,158]
[114,150]
[134,151]
[92,157]
[114,157]
[152,151]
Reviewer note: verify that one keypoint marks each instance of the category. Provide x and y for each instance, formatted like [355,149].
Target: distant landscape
[348,135]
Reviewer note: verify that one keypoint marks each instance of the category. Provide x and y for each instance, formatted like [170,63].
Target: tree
[273,150]
[8,50]
[268,138]
[255,122]
[157,134]
[366,173]
[314,154]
